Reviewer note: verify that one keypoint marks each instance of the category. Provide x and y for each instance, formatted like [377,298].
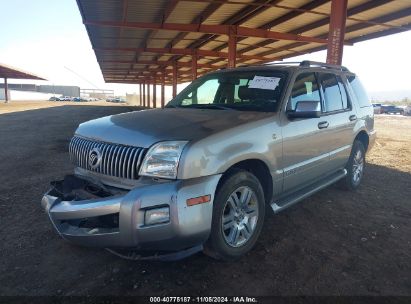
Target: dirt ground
[334,243]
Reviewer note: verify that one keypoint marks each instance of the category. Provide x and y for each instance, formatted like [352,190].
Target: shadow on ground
[334,243]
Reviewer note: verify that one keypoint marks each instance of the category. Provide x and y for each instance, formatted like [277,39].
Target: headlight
[162,159]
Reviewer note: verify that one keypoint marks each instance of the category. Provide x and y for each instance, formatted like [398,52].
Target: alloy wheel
[358,167]
[240,216]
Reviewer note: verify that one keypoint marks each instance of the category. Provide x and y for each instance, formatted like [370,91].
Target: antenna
[78,75]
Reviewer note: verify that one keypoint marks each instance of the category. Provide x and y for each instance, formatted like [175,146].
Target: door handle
[353,117]
[323,125]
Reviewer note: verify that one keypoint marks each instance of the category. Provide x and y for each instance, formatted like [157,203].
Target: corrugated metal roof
[7,71]
[118,47]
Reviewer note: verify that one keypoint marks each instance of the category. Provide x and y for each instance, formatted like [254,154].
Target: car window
[305,88]
[240,90]
[344,96]
[333,98]
[359,91]
[203,94]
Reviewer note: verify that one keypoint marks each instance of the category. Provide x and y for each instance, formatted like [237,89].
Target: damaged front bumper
[89,214]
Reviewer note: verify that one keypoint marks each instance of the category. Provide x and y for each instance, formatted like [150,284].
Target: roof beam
[167,12]
[385,18]
[139,70]
[350,12]
[209,29]
[151,75]
[275,22]
[242,16]
[199,19]
[210,9]
[381,34]
[182,52]
[322,22]
[161,63]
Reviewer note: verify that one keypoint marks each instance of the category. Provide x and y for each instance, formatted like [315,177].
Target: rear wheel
[355,167]
[238,216]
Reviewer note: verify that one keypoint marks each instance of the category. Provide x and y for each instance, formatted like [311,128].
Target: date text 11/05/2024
[203,300]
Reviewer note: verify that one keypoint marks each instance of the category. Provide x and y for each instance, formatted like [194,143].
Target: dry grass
[17,106]
[393,145]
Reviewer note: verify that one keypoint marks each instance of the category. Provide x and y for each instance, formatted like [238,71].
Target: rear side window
[305,88]
[359,91]
[334,93]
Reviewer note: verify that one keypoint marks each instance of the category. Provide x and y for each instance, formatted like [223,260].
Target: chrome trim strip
[306,162]
[315,159]
[340,149]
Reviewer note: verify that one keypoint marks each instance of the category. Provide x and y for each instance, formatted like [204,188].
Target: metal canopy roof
[134,40]
[10,72]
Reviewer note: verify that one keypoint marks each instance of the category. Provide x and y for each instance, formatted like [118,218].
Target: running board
[294,198]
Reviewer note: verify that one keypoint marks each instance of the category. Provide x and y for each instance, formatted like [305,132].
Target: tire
[243,222]
[355,167]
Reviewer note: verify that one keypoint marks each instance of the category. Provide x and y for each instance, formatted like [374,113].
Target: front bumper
[104,219]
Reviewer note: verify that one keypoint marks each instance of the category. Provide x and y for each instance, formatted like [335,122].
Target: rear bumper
[117,221]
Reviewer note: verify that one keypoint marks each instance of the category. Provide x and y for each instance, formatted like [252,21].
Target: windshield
[246,91]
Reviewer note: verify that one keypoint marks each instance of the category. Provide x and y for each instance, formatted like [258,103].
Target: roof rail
[308,63]
[281,63]
[305,63]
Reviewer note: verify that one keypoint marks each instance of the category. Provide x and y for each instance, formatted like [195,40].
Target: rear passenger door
[339,117]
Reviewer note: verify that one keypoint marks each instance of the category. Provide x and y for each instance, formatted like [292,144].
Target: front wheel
[355,167]
[238,216]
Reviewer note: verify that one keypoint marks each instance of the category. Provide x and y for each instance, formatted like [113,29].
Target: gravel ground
[334,243]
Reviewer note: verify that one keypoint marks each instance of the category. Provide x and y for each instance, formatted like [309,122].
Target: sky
[48,38]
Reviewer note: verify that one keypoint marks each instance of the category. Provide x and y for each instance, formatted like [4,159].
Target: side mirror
[306,109]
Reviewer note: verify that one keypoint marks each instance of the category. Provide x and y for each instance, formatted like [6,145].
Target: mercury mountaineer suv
[199,174]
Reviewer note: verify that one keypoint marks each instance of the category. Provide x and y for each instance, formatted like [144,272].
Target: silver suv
[199,174]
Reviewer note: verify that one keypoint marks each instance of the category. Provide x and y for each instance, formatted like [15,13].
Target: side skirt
[289,200]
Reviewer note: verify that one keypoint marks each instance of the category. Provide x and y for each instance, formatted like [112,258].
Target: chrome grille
[116,160]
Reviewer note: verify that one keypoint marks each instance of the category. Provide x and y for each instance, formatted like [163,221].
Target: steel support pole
[6,91]
[232,48]
[194,66]
[336,33]
[175,79]
[163,84]
[154,93]
[141,95]
[144,94]
[148,95]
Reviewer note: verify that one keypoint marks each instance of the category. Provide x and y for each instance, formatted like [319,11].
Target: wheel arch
[259,169]
[363,137]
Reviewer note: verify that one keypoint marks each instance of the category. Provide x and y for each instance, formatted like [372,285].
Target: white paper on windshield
[264,83]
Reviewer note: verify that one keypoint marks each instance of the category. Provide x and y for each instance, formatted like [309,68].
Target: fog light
[157,216]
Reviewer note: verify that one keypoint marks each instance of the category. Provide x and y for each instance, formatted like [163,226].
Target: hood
[144,128]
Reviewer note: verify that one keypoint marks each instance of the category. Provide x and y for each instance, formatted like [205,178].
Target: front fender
[216,153]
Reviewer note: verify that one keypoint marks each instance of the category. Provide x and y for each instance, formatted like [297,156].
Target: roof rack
[308,63]
[305,63]
[282,63]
